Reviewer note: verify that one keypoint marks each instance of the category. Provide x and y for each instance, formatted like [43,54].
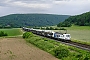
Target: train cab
[66,37]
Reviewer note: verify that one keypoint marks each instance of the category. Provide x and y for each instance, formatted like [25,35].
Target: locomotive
[49,33]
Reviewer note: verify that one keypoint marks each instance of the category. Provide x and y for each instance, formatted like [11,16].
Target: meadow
[12,32]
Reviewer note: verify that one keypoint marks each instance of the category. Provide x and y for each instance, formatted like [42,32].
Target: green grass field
[83,35]
[78,28]
[12,32]
[74,27]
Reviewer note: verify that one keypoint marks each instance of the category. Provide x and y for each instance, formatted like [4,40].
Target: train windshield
[67,35]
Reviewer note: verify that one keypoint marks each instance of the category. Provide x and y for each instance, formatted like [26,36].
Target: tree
[81,20]
[51,28]
[2,34]
[47,28]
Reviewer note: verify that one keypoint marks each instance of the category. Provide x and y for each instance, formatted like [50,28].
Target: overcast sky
[64,7]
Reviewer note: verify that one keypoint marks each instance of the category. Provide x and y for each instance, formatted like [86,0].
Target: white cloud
[10,3]
[70,7]
[31,5]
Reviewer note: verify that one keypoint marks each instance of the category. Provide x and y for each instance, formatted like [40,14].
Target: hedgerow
[27,35]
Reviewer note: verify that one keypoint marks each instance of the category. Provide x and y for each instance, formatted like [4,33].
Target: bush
[2,34]
[61,52]
[27,35]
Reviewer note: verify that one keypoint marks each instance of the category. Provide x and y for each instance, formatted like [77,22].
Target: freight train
[49,33]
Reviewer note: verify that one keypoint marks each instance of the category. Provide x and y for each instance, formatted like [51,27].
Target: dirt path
[18,49]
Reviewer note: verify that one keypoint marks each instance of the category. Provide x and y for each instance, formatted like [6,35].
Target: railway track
[79,45]
[71,43]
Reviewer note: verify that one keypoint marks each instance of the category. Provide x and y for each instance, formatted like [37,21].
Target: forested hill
[19,20]
[81,20]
